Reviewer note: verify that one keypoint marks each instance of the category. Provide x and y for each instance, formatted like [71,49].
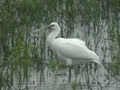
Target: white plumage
[70,49]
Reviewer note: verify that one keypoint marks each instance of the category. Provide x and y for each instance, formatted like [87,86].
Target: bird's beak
[46,27]
[36,31]
[39,30]
[50,26]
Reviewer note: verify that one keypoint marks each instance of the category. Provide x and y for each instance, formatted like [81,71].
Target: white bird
[70,49]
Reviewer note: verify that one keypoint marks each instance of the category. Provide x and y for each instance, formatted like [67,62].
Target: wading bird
[70,50]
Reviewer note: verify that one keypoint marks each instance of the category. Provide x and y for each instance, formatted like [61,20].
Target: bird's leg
[70,68]
[76,71]
[69,64]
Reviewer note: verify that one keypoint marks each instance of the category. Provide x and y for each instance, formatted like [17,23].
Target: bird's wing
[73,49]
[76,41]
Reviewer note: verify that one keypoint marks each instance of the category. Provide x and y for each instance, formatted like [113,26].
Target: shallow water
[59,81]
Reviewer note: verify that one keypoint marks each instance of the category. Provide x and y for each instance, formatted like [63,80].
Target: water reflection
[59,81]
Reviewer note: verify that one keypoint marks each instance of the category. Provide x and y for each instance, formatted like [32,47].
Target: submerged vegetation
[19,51]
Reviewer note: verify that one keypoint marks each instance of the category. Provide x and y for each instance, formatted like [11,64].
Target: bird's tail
[99,63]
[101,68]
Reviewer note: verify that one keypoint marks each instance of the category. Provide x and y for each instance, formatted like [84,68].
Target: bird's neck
[53,35]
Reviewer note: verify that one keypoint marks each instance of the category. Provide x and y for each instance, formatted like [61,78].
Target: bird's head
[54,26]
